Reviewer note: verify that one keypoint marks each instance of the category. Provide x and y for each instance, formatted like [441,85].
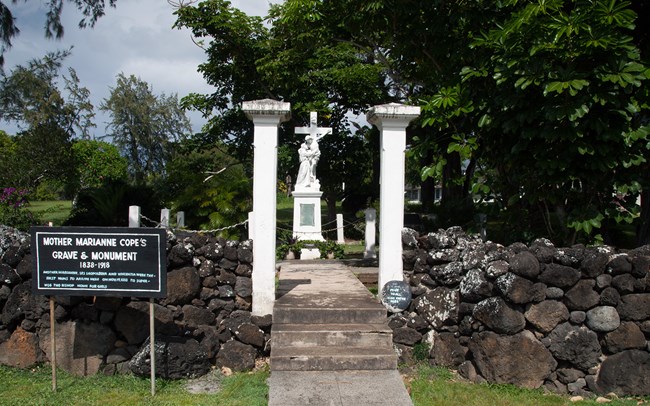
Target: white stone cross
[314,130]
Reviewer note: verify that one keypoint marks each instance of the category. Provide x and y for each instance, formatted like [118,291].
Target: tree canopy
[49,114]
[540,106]
[144,125]
[91,10]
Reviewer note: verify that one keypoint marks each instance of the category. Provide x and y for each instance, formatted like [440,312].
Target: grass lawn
[34,387]
[433,386]
[56,211]
[428,386]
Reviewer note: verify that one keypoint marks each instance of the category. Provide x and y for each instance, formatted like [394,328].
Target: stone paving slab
[337,388]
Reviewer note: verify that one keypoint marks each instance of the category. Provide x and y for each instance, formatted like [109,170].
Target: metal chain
[159,225]
[155,223]
[212,231]
[331,229]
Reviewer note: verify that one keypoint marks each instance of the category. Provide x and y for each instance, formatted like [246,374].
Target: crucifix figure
[309,152]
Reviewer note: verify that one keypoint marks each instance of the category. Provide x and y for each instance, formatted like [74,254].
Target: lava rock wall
[204,321]
[572,320]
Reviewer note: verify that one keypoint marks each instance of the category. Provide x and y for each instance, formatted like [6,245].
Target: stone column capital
[393,115]
[267,111]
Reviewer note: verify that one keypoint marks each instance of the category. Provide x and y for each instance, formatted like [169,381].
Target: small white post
[134,216]
[391,119]
[251,225]
[371,233]
[266,116]
[180,219]
[340,238]
[164,218]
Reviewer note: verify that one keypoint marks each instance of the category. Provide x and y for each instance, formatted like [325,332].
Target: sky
[134,38]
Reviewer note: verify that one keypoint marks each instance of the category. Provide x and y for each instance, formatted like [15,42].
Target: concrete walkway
[316,293]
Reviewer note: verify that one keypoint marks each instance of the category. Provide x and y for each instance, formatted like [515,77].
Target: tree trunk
[428,194]
[452,192]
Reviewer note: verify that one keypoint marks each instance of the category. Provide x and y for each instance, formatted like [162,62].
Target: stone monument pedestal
[307,214]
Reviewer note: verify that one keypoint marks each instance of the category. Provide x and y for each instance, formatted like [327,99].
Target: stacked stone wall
[572,320]
[204,321]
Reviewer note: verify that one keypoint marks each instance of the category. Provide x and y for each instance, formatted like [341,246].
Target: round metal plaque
[396,296]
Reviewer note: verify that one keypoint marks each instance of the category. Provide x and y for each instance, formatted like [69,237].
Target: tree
[96,163]
[92,10]
[209,186]
[565,86]
[144,125]
[246,61]
[546,96]
[49,118]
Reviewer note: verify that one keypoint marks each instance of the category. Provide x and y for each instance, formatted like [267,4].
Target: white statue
[309,153]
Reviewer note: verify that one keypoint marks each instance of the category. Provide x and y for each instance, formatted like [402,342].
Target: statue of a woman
[308,155]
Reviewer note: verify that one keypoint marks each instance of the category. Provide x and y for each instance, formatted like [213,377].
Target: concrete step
[337,358]
[370,314]
[344,335]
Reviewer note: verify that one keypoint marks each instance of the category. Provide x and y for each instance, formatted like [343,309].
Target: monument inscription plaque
[80,261]
[396,296]
[307,215]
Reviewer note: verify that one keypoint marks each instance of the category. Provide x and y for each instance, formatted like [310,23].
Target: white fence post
[180,219]
[134,216]
[371,233]
[164,218]
[340,238]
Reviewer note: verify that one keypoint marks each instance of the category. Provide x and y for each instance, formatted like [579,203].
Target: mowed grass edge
[427,385]
[435,386]
[34,387]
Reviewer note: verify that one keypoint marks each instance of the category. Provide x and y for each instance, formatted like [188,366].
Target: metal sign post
[53,343]
[152,349]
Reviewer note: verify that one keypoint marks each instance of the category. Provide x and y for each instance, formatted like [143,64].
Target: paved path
[330,285]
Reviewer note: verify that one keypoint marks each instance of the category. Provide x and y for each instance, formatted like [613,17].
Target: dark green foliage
[49,116]
[144,125]
[209,186]
[13,209]
[108,205]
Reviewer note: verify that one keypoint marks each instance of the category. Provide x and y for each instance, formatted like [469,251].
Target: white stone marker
[392,120]
[266,116]
[371,233]
[134,216]
[340,237]
[180,219]
[164,218]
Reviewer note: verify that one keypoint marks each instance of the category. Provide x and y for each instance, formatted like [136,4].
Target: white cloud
[135,38]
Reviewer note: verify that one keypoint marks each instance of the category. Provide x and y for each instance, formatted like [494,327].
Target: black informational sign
[396,296]
[84,261]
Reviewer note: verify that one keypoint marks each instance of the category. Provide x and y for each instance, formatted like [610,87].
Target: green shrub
[13,209]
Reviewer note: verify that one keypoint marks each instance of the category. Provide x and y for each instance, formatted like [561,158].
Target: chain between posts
[350,223]
[159,225]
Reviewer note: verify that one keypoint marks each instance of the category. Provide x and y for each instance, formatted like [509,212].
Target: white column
[180,219]
[266,116]
[392,120]
[340,237]
[371,233]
